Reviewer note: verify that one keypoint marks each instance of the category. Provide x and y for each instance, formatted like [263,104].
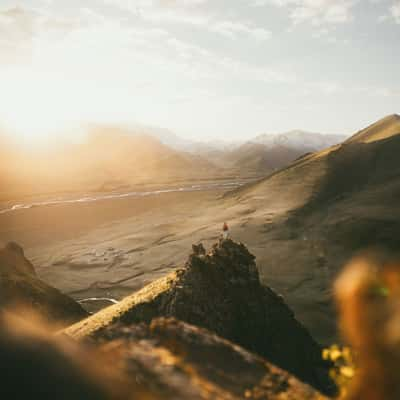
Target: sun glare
[35,110]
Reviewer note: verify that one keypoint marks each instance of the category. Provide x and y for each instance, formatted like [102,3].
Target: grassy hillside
[312,216]
[381,129]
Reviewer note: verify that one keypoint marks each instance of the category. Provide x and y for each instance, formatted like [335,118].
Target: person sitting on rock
[225,231]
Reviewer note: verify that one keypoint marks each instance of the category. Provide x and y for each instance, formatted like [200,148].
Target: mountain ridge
[383,128]
[330,205]
[208,292]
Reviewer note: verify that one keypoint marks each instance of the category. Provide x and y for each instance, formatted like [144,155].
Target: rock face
[221,291]
[21,288]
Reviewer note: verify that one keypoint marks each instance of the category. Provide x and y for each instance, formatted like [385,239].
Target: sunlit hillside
[107,158]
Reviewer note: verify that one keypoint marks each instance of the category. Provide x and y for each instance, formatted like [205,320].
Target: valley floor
[112,247]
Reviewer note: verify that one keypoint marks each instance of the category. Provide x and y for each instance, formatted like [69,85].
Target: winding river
[107,196]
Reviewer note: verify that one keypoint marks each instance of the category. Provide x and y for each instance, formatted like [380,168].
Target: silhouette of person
[225,231]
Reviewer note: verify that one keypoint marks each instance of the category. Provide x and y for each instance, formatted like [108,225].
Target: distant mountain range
[172,140]
[258,156]
[298,139]
[269,152]
[113,157]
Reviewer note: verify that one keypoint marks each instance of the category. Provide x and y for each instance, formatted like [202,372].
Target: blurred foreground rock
[167,359]
[174,360]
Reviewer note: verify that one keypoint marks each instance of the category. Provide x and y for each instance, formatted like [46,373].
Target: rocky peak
[221,291]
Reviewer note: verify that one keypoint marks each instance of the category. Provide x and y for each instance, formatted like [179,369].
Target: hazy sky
[202,68]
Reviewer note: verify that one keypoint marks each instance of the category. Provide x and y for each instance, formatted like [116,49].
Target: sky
[205,69]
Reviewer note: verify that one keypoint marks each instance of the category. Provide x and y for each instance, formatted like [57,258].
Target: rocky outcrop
[13,260]
[20,288]
[221,291]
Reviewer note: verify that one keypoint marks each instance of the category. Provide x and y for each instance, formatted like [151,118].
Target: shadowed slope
[19,287]
[330,204]
[13,260]
[260,159]
[267,153]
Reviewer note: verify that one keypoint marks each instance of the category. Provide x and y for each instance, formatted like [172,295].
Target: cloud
[17,27]
[231,29]
[331,88]
[21,28]
[16,24]
[316,12]
[395,12]
[93,65]
[191,13]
